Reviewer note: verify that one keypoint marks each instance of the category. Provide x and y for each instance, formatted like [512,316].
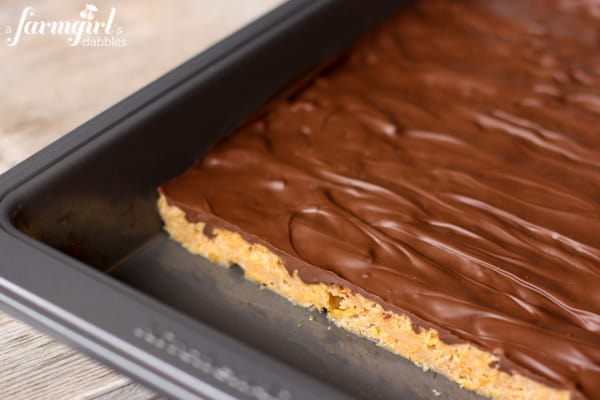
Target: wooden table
[47,88]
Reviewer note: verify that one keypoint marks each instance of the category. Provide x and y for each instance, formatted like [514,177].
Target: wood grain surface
[47,88]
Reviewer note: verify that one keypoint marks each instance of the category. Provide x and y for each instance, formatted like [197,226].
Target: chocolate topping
[448,168]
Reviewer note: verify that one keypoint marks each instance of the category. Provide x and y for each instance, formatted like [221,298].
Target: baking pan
[84,258]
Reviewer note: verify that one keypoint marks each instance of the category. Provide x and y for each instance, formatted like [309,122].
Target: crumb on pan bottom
[464,363]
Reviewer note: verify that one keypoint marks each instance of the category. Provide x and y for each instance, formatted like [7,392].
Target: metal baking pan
[84,258]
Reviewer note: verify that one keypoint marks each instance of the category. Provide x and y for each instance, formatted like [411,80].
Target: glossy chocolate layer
[450,168]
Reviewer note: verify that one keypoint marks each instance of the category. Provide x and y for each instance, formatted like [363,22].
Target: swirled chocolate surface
[450,168]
